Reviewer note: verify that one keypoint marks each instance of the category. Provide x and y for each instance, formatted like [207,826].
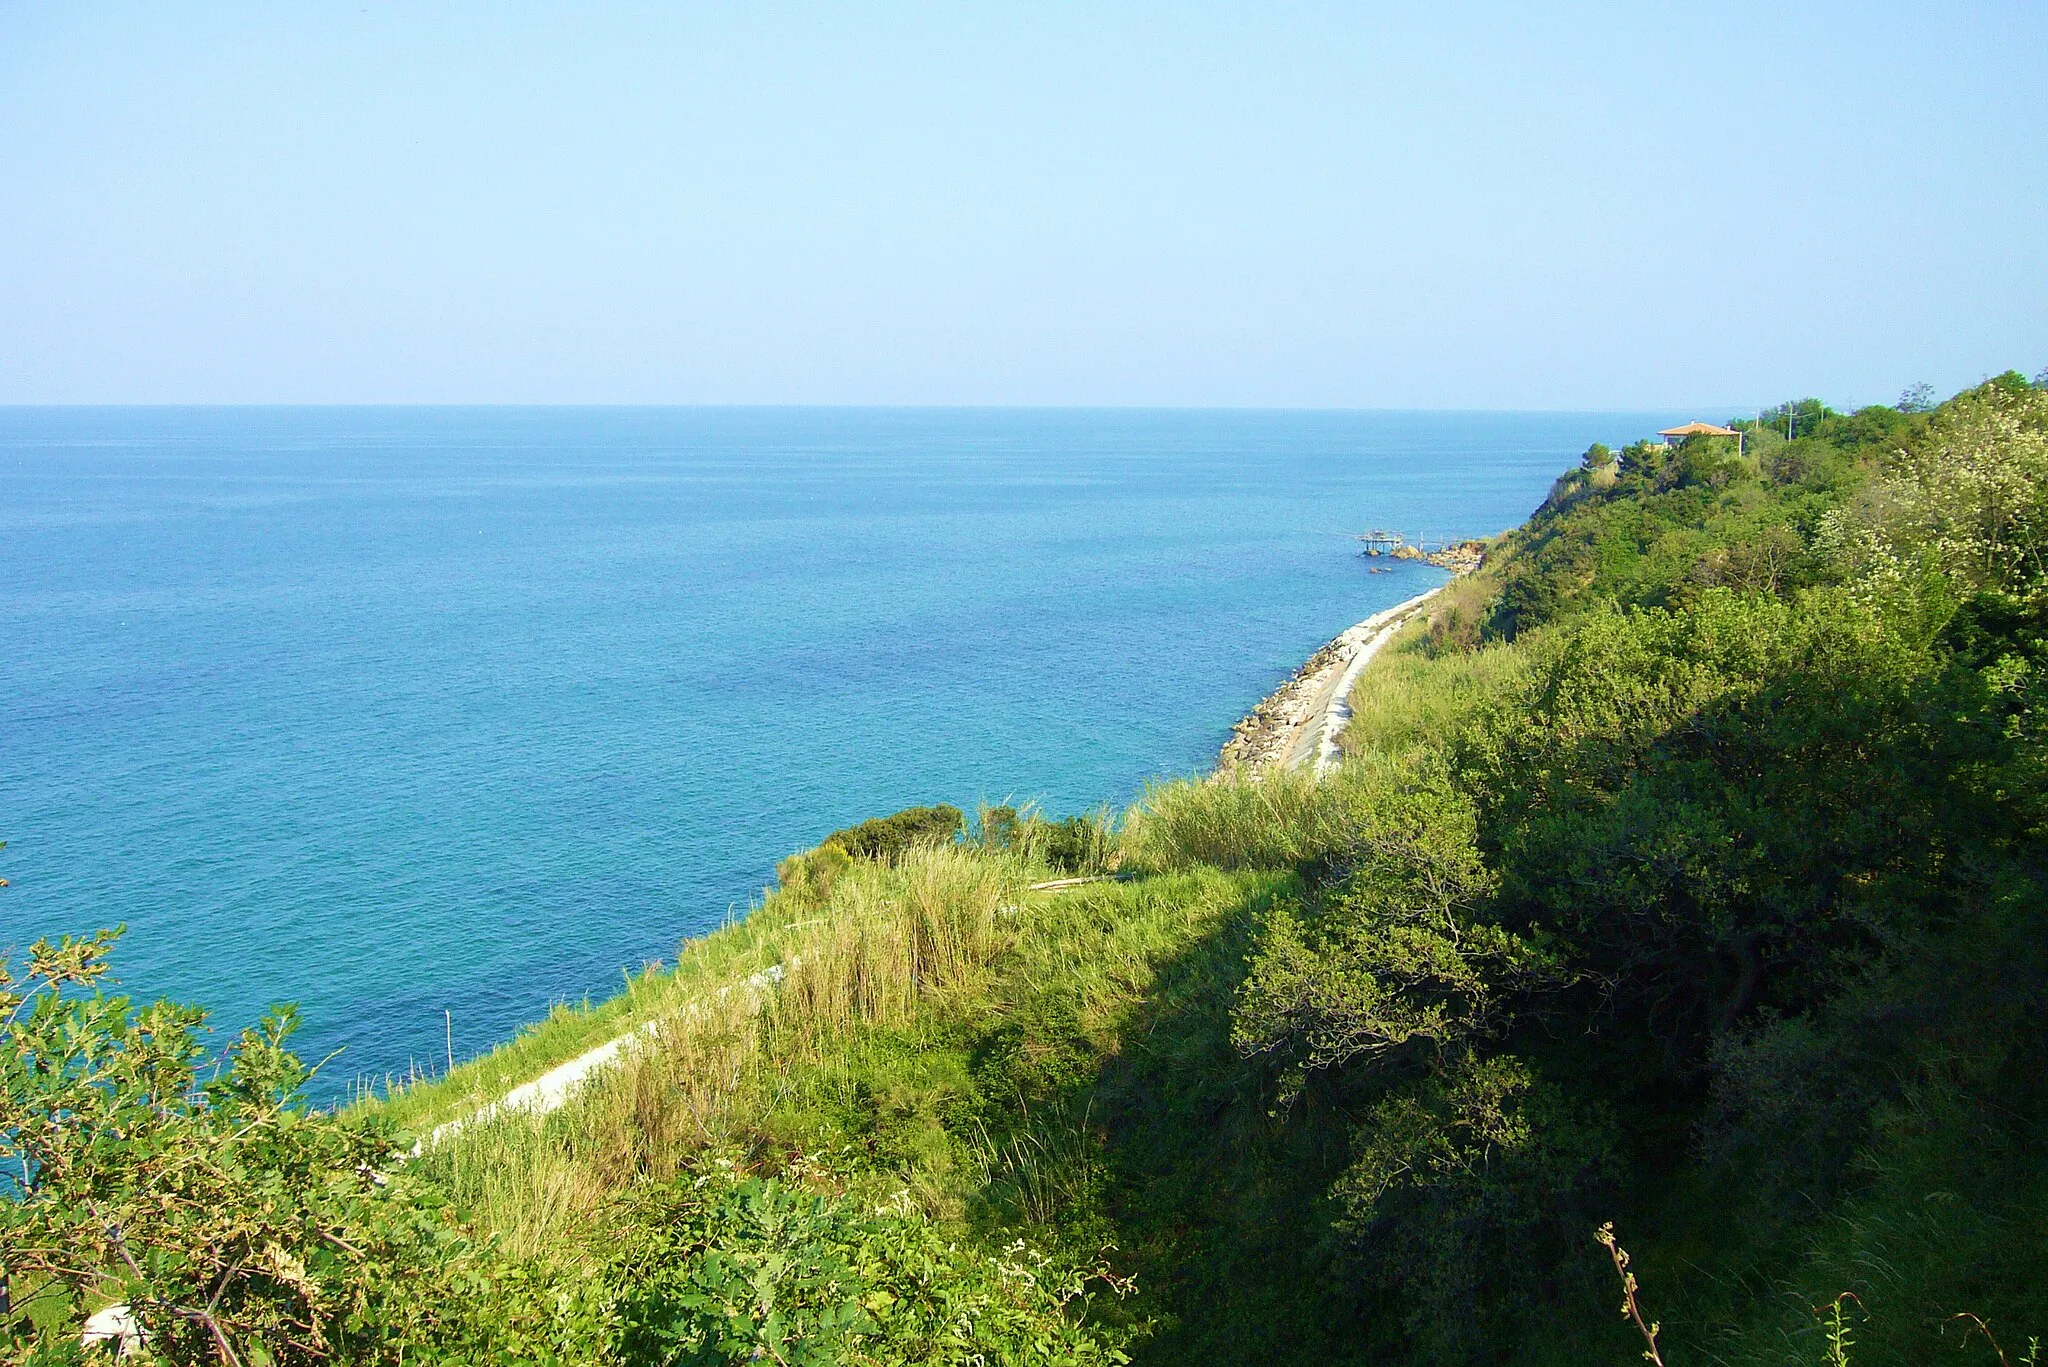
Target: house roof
[1697,429]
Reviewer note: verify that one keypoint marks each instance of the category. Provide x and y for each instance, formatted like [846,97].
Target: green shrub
[885,838]
[725,1268]
[810,875]
[1002,828]
[1078,844]
[237,1225]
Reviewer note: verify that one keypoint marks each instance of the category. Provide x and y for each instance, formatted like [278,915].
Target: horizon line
[883,407]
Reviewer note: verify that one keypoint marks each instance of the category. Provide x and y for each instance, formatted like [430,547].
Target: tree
[1917,398]
[1974,491]
[1796,417]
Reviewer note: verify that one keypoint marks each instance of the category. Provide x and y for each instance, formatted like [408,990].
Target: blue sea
[392,711]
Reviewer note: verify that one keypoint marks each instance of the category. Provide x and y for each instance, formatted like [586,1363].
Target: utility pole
[448,1027]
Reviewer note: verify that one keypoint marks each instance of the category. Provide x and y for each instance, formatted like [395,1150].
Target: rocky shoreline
[1459,557]
[1261,735]
[1296,724]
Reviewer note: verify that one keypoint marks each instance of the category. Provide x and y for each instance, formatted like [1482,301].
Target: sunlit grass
[949,939]
[1405,701]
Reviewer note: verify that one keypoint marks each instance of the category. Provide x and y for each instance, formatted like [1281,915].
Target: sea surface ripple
[392,711]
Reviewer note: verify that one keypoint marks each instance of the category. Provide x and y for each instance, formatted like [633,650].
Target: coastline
[1297,725]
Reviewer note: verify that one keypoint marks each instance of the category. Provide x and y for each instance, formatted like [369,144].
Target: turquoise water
[387,711]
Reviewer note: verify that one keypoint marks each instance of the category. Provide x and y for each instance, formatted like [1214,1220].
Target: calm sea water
[388,711]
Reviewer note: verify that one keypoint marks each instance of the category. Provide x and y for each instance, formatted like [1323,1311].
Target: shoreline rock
[1460,557]
[1277,730]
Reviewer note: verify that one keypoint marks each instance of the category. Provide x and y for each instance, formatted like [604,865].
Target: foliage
[1916,398]
[1761,786]
[1082,844]
[1683,871]
[1972,494]
[1395,965]
[729,1269]
[236,1226]
[811,874]
[1078,844]
[886,838]
[1003,827]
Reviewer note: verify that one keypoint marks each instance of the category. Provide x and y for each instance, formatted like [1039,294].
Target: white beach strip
[1337,711]
[1296,725]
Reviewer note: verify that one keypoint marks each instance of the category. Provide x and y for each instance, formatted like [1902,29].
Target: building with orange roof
[1700,429]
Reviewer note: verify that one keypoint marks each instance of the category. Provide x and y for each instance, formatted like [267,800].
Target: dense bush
[726,1268]
[812,873]
[235,1224]
[1738,892]
[886,837]
[1082,844]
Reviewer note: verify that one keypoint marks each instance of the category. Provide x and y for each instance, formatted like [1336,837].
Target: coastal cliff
[1675,893]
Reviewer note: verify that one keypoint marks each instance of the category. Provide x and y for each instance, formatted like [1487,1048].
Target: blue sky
[1467,206]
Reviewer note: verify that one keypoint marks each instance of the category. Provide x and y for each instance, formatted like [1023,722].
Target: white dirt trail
[553,1089]
[1297,727]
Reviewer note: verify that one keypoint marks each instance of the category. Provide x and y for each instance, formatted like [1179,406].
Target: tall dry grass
[895,938]
[703,967]
[1257,819]
[885,944]
[535,1181]
[1406,700]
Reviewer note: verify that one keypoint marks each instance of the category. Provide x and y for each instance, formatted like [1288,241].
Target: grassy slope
[703,966]
[1060,1066]
[963,1088]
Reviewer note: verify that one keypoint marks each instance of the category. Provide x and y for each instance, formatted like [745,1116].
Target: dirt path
[552,1089]
[1297,726]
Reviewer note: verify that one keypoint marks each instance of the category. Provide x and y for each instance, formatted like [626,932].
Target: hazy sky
[1506,206]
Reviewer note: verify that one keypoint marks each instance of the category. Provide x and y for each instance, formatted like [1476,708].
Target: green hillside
[1683,874]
